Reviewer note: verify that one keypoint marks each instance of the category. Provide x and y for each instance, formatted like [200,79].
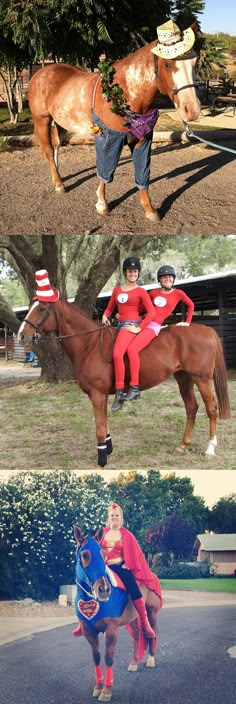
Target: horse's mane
[73,310]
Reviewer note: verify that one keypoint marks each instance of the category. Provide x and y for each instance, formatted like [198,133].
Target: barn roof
[217,541]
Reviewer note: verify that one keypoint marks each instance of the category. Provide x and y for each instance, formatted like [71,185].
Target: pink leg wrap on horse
[108,677]
[98,674]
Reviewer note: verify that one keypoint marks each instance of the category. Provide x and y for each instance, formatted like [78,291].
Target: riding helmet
[131,263]
[166,271]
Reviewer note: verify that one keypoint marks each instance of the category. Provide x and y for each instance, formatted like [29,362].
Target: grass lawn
[52,426]
[213,584]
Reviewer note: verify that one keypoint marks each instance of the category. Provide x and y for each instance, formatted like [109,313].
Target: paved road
[193,665]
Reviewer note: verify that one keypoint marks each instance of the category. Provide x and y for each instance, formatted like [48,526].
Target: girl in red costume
[164,301]
[125,557]
[129,299]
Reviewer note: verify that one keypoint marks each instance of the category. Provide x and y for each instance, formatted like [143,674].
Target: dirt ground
[192,186]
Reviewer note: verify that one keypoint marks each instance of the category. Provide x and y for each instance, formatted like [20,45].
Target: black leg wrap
[109,444]
[102,454]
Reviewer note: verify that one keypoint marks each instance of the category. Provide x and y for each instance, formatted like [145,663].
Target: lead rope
[190,134]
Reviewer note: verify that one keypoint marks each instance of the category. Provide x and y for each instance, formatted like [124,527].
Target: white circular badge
[160,301]
[122,298]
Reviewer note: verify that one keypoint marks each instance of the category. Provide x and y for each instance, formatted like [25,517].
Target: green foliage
[175,571]
[223,515]
[36,529]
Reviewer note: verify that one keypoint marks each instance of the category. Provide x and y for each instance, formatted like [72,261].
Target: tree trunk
[56,366]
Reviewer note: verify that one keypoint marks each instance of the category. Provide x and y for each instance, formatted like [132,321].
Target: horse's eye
[85,558]
[167,64]
[42,310]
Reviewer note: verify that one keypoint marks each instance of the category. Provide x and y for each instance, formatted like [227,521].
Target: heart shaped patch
[89,609]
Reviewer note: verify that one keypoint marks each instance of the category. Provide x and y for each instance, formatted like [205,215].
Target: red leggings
[132,344]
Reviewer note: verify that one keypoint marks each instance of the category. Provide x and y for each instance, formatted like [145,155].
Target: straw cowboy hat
[172,42]
[44,290]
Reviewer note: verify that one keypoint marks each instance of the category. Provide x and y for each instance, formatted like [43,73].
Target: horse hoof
[180,448]
[60,189]
[101,210]
[153,216]
[150,661]
[105,697]
[132,667]
[96,692]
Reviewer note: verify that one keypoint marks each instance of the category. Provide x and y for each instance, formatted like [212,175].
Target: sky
[219,17]
[208,483]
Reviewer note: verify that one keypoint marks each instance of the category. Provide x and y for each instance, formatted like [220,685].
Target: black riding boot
[133,394]
[118,401]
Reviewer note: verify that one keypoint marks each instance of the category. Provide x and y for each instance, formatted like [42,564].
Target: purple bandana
[141,125]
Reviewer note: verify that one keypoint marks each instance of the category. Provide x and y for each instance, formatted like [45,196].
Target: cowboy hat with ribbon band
[172,42]
[44,290]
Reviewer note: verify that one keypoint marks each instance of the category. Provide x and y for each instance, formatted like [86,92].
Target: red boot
[78,631]
[141,609]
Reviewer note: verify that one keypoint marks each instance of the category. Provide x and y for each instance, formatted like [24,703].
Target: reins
[43,338]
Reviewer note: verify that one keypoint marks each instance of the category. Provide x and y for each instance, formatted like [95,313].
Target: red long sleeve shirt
[129,303]
[164,304]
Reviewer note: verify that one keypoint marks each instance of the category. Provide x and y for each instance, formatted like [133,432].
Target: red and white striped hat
[44,290]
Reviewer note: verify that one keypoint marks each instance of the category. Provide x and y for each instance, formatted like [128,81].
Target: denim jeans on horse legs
[109,146]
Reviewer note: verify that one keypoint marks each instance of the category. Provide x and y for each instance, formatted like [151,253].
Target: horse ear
[195,27]
[98,535]
[78,533]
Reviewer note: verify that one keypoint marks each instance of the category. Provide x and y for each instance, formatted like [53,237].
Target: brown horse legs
[150,212]
[186,388]
[43,131]
[101,204]
[104,445]
[205,388]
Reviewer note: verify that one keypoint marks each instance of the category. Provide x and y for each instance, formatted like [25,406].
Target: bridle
[38,337]
[38,326]
[187,55]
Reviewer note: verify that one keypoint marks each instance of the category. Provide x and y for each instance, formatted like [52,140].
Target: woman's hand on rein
[105,320]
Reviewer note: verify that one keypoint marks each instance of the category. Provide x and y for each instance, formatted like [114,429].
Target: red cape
[136,562]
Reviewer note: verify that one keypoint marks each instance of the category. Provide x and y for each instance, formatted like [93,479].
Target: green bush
[176,571]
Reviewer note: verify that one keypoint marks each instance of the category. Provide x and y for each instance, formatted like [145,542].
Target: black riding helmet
[166,270]
[131,263]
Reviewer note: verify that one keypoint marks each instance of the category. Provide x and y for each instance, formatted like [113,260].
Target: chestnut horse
[65,95]
[94,588]
[192,354]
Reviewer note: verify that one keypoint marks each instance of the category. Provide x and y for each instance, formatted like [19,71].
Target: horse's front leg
[104,443]
[133,665]
[110,644]
[101,204]
[141,155]
[93,640]
[150,212]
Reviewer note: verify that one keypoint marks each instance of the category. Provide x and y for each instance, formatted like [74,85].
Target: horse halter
[174,90]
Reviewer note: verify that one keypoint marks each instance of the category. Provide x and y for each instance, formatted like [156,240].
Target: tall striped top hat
[44,290]
[172,42]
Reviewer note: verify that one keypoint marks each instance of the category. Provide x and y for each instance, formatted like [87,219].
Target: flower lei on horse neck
[140,125]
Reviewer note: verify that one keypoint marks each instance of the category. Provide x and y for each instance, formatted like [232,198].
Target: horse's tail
[220,381]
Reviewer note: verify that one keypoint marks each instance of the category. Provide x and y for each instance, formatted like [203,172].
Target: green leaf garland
[111,91]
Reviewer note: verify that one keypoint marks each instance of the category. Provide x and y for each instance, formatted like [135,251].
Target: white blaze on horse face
[186,101]
[21,328]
